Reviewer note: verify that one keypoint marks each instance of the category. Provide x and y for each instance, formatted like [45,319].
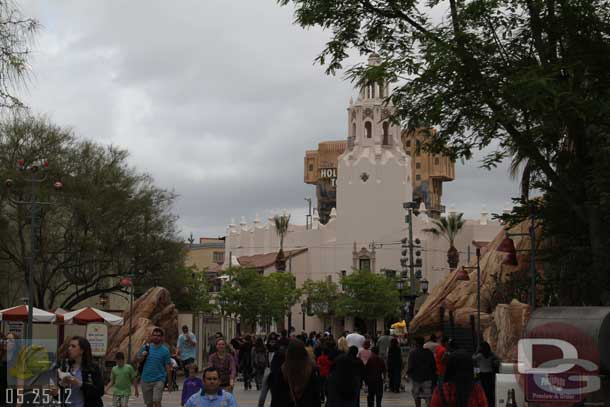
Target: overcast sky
[217,99]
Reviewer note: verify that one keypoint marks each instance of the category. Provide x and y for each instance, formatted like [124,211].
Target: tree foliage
[447,227]
[368,295]
[321,297]
[529,79]
[108,221]
[189,288]
[256,298]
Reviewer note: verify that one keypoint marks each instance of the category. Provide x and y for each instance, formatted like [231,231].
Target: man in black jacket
[422,372]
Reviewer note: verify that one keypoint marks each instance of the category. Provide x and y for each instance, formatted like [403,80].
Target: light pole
[414,260]
[308,223]
[38,173]
[303,312]
[128,282]
[508,246]
[464,277]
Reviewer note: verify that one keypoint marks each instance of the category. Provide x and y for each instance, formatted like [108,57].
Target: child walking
[122,377]
[192,384]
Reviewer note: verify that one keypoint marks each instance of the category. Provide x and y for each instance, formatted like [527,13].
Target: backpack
[260,360]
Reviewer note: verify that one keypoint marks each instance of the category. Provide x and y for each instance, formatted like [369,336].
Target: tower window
[365,264]
[436,161]
[418,165]
[368,129]
[310,167]
[408,143]
[417,177]
[354,129]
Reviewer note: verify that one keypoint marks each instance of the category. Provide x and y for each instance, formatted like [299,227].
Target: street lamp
[35,173]
[459,277]
[508,246]
[303,312]
[424,286]
[128,282]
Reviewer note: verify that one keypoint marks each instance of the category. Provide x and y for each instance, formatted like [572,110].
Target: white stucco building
[366,228]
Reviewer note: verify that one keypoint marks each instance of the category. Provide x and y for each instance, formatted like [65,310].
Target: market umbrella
[88,315]
[20,313]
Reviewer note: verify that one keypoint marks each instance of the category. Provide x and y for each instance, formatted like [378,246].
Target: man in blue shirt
[156,369]
[187,345]
[211,395]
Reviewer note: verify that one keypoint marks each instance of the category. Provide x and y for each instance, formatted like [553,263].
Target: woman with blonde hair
[342,345]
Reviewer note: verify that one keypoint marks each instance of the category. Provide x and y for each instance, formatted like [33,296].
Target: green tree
[368,295]
[321,297]
[281,294]
[256,298]
[188,287]
[281,227]
[243,294]
[526,78]
[108,221]
[448,228]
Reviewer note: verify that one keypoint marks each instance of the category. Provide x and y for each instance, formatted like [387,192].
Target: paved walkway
[250,398]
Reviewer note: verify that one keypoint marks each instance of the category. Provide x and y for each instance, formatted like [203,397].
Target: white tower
[373,177]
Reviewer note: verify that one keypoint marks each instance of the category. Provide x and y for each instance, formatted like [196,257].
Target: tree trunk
[280,261]
[453,257]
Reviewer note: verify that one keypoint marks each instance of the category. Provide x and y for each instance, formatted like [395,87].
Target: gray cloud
[218,100]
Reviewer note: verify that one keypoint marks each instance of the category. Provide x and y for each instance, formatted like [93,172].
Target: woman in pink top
[365,353]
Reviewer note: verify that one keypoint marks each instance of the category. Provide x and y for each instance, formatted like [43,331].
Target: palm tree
[281,227]
[448,228]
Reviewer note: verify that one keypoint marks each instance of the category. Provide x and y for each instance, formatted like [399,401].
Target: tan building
[205,254]
[428,172]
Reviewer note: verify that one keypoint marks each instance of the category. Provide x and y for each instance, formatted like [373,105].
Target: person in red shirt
[439,358]
[459,388]
[324,364]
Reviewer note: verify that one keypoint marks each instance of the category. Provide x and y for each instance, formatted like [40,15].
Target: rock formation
[503,318]
[153,309]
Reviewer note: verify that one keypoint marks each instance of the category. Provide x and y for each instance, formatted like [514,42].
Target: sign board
[329,174]
[97,335]
[15,328]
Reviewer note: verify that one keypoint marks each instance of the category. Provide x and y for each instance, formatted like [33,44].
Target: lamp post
[308,223]
[303,312]
[38,173]
[463,276]
[508,246]
[128,282]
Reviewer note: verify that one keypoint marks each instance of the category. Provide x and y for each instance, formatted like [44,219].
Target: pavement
[249,398]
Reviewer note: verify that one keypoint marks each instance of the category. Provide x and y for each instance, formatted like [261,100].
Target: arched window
[354,129]
[386,134]
[368,129]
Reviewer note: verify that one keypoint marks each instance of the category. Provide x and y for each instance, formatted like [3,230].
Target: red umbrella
[20,313]
[88,315]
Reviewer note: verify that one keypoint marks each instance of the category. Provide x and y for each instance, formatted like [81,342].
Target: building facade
[373,179]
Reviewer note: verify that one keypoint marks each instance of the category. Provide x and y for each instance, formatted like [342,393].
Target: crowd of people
[306,370]
[316,369]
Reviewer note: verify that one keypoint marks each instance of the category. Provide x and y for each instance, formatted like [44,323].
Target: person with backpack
[260,361]
[156,366]
[422,372]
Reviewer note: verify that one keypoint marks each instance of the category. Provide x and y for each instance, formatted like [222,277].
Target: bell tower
[373,174]
[368,117]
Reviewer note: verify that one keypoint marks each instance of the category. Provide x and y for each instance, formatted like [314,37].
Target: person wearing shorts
[122,377]
[157,368]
